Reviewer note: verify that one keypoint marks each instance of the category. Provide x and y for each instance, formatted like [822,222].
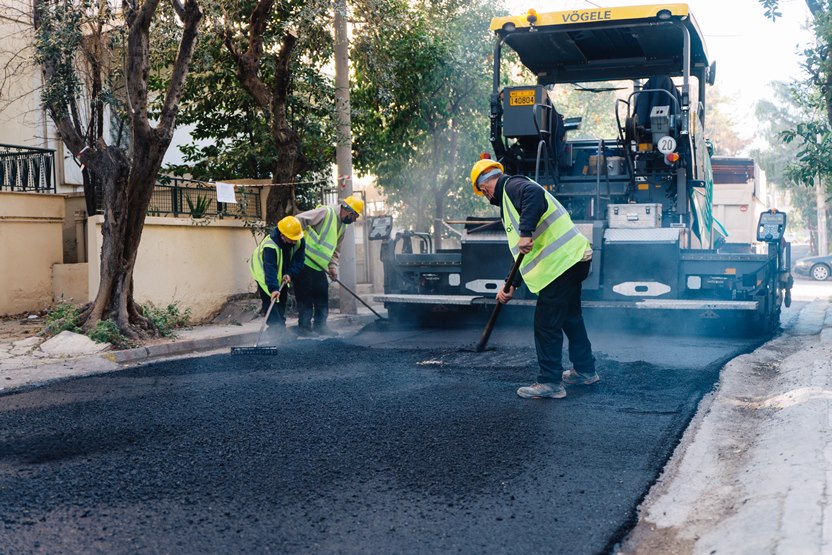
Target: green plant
[64,316]
[106,331]
[198,207]
[168,318]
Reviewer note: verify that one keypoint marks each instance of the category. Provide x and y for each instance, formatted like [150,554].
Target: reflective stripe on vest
[558,245]
[321,246]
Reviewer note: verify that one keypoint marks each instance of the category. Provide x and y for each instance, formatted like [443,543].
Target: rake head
[255,351]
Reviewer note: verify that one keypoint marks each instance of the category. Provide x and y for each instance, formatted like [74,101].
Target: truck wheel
[819,272]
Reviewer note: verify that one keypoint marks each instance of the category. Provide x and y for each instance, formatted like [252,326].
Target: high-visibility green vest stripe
[558,244]
[321,246]
[255,264]
[571,235]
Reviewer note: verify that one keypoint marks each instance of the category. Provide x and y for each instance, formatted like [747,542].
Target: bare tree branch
[248,63]
[191,15]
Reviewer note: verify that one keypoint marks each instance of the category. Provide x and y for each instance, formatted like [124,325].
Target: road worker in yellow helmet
[275,264]
[483,170]
[324,228]
[556,260]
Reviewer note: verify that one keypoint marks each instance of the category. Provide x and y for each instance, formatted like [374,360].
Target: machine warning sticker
[524,97]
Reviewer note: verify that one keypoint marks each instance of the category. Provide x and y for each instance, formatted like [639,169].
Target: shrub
[64,316]
[106,331]
[166,319]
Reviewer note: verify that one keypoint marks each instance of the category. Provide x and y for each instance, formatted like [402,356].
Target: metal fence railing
[27,169]
[176,196]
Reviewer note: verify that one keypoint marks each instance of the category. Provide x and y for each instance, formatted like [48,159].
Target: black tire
[819,272]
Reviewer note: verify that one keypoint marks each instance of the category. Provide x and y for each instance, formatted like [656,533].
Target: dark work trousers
[277,317]
[558,311]
[312,295]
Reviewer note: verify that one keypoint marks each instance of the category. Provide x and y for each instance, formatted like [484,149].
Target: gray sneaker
[572,377]
[539,390]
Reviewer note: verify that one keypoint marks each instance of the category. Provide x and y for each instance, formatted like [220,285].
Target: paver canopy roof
[603,44]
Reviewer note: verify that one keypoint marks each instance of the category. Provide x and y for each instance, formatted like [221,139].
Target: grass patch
[166,319]
[106,331]
[64,316]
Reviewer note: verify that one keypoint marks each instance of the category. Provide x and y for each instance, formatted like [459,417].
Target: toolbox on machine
[629,216]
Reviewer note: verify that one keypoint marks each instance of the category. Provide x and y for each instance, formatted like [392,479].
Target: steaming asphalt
[391,442]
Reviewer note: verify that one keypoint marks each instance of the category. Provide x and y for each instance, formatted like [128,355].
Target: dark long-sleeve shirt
[526,196]
[292,265]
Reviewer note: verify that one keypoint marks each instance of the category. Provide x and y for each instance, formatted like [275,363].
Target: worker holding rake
[274,265]
[324,227]
[556,260]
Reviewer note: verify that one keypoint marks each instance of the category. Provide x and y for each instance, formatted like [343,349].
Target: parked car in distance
[816,267]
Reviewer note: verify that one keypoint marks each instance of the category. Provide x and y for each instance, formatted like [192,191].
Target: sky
[750,50]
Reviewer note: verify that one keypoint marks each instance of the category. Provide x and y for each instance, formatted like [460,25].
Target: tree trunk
[114,300]
[281,200]
[126,183]
[274,101]
[440,192]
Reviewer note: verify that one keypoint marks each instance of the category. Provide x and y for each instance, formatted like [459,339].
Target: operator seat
[645,102]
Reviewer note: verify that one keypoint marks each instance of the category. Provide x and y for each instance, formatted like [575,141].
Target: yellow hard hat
[355,203]
[291,228]
[481,167]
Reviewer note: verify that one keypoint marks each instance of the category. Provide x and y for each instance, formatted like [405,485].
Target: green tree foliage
[233,134]
[811,132]
[594,103]
[420,102]
[722,125]
[777,157]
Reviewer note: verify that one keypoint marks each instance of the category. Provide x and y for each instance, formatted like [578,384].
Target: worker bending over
[557,259]
[324,227]
[275,264]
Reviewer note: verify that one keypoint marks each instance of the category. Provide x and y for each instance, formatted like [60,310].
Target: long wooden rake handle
[489,327]
[269,311]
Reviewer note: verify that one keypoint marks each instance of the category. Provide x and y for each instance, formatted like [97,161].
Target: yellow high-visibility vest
[255,263]
[321,246]
[558,245]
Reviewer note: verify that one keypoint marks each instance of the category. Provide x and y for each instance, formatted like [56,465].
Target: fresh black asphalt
[336,448]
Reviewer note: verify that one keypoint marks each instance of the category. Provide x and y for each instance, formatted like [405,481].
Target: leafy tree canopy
[420,102]
[231,134]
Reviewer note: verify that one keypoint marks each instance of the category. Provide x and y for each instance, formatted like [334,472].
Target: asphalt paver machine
[643,198]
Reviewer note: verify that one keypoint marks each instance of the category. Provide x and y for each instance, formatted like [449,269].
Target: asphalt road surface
[390,442]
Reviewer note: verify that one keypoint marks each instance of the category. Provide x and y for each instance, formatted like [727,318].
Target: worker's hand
[525,244]
[503,297]
[287,279]
[275,294]
[333,274]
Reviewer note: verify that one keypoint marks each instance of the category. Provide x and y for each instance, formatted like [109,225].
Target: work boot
[325,331]
[573,377]
[539,390]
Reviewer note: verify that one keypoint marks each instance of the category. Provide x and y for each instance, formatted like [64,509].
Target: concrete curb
[174,348]
[181,347]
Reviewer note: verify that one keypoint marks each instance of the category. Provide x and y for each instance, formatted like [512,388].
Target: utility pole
[820,196]
[343,151]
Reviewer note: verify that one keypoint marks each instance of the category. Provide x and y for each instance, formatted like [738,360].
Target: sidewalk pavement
[753,472]
[31,362]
